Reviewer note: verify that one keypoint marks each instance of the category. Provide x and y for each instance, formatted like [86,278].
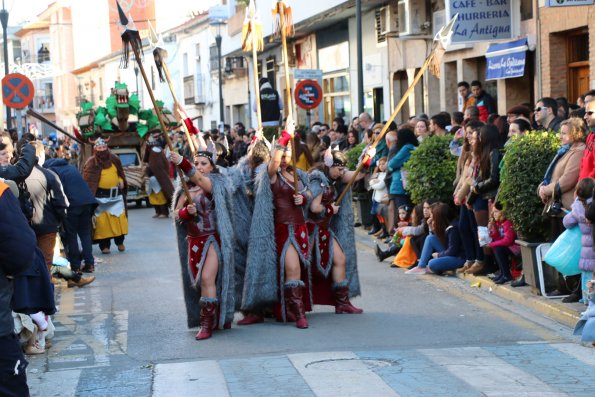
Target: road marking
[59,383]
[582,353]
[339,374]
[489,374]
[189,379]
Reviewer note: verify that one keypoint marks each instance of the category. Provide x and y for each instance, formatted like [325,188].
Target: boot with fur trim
[295,304]
[208,306]
[342,303]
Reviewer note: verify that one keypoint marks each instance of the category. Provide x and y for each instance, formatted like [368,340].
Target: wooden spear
[252,40]
[131,39]
[159,55]
[285,28]
[441,41]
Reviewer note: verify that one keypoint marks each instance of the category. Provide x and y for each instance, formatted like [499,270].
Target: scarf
[550,169]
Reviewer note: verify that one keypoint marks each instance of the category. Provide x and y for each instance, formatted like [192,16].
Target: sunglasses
[590,112]
[538,109]
[323,129]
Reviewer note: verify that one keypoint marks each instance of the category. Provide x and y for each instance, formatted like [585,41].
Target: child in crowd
[379,197]
[406,256]
[395,243]
[443,249]
[503,246]
[583,197]
[586,324]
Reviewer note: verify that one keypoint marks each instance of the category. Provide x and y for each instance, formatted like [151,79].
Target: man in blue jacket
[17,247]
[78,217]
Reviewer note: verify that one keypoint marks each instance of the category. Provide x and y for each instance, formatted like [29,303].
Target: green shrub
[353,156]
[431,170]
[525,162]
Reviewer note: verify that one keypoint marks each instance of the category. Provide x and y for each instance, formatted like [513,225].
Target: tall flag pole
[252,40]
[283,26]
[160,55]
[131,40]
[433,60]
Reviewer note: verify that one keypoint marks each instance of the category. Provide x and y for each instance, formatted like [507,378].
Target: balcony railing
[43,103]
[194,92]
[189,90]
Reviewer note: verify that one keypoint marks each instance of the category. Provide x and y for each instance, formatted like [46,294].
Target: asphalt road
[126,335]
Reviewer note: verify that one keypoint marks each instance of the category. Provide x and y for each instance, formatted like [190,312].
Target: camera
[556,208]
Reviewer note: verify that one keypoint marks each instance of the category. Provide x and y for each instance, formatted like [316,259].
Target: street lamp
[218,17]
[4,20]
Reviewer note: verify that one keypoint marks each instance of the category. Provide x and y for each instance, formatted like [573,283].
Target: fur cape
[92,173]
[341,228]
[159,167]
[225,276]
[264,278]
[241,211]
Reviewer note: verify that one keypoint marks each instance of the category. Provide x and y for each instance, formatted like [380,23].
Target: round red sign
[308,94]
[17,91]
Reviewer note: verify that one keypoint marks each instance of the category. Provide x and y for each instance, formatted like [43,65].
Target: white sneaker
[416,270]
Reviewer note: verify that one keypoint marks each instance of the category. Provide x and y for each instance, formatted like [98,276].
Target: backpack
[25,201]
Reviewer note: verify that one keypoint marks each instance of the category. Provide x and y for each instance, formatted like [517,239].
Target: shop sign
[506,60]
[480,20]
[566,3]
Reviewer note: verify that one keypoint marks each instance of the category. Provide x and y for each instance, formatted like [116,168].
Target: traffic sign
[17,91]
[308,94]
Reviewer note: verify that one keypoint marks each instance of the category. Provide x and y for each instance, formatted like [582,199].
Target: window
[43,54]
[185,64]
[337,100]
[213,58]
[270,71]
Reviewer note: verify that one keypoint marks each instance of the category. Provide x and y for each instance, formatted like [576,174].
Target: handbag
[565,252]
[554,206]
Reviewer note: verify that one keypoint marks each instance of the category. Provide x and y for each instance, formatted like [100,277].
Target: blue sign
[566,3]
[506,60]
[480,20]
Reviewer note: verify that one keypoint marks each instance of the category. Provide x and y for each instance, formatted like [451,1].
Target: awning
[506,60]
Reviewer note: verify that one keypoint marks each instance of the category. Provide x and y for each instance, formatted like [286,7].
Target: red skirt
[198,247]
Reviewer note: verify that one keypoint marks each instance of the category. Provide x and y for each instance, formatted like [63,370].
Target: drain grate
[350,364]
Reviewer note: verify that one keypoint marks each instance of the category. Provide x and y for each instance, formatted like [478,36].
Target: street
[126,335]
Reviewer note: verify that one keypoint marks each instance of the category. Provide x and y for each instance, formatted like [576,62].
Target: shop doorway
[578,64]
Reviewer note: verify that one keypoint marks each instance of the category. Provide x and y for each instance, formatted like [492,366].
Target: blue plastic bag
[565,252]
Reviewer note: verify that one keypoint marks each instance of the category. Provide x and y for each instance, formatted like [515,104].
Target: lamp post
[4,20]
[218,16]
[218,42]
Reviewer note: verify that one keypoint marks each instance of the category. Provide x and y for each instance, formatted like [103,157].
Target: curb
[566,314]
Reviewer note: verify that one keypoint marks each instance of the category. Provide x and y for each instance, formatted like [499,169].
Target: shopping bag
[406,256]
[565,252]
[483,235]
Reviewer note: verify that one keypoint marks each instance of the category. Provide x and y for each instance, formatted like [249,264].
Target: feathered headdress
[130,37]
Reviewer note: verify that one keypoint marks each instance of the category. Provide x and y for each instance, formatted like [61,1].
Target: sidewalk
[564,313]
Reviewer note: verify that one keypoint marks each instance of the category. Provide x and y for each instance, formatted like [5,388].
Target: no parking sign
[17,91]
[308,94]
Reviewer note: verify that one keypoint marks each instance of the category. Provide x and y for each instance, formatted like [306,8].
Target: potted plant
[525,162]
[430,171]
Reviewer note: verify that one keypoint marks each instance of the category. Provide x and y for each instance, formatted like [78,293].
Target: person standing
[587,169]
[104,174]
[17,249]
[77,224]
[271,104]
[484,101]
[160,186]
[466,99]
[546,114]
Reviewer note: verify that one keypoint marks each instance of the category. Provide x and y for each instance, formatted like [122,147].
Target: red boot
[251,318]
[342,303]
[295,304]
[207,318]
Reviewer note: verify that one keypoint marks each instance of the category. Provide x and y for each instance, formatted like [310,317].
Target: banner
[566,3]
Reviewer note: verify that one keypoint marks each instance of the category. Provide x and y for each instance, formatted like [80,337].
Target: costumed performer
[104,174]
[160,187]
[277,271]
[334,259]
[209,241]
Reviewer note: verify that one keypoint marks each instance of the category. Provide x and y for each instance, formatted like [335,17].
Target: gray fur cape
[225,276]
[261,285]
[341,228]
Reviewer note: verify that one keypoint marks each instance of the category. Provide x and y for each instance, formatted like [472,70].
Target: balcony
[194,93]
[43,103]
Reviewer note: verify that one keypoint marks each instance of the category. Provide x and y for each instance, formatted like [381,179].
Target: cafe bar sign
[481,20]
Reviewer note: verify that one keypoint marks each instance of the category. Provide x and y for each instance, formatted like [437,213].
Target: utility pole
[360,69]
[4,20]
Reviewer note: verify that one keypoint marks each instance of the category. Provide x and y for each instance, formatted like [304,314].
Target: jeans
[439,265]
[503,256]
[78,225]
[468,230]
[13,376]
[431,245]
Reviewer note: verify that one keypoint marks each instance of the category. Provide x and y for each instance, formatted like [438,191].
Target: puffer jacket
[577,217]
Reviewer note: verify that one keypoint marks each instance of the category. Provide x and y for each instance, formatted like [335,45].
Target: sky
[172,12]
